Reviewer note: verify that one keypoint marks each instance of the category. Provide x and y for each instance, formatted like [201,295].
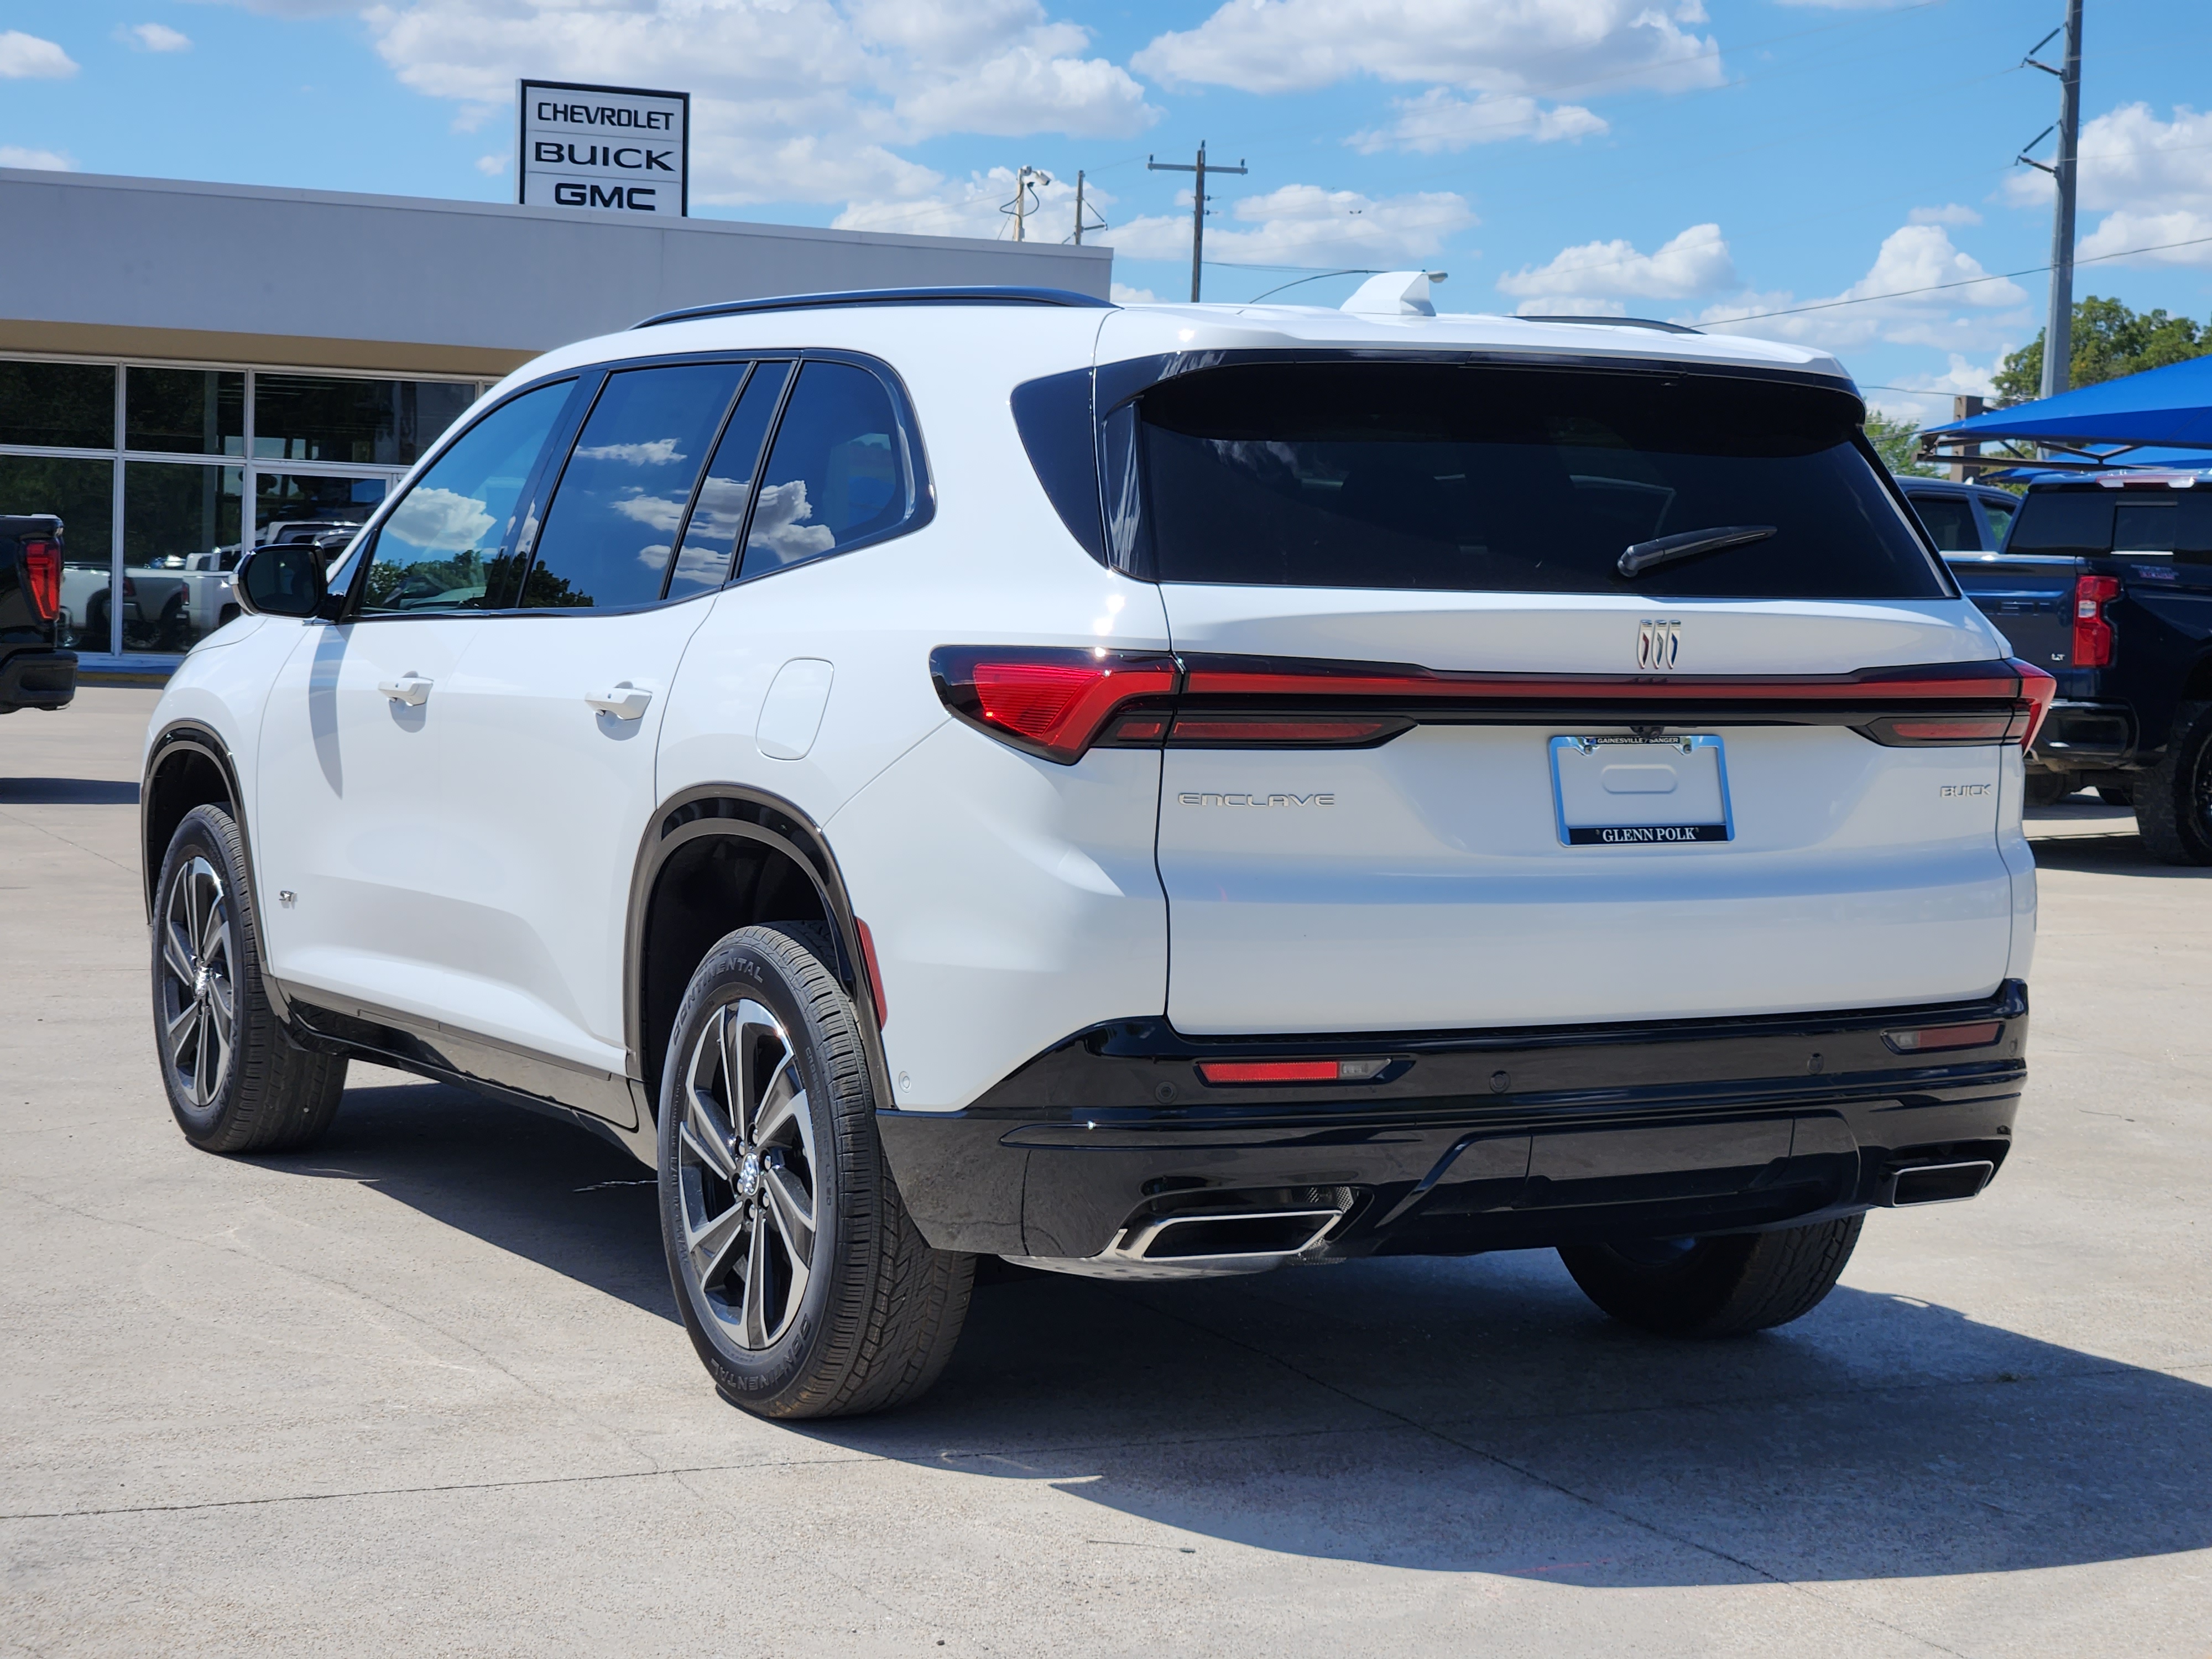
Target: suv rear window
[1461,477]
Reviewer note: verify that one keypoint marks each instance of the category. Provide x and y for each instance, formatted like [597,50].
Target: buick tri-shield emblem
[1658,643]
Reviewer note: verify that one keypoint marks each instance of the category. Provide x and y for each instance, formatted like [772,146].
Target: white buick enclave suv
[1144,791]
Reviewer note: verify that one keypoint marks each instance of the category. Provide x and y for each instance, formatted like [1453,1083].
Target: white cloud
[1305,224]
[1687,265]
[1926,398]
[1950,213]
[1847,5]
[27,57]
[492,166]
[1122,294]
[44,160]
[1527,46]
[2151,180]
[1893,302]
[792,100]
[1437,120]
[153,37]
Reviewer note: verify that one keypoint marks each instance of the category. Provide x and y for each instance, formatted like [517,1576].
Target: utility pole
[1082,212]
[1198,204]
[1019,207]
[2059,327]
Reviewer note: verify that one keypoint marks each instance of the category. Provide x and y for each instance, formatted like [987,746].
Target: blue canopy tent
[2162,417]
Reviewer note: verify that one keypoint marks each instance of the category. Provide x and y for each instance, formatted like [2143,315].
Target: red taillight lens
[1052,702]
[1292,1071]
[1979,1034]
[42,566]
[2093,634]
[1281,731]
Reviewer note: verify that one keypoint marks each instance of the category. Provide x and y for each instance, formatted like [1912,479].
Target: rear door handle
[625,701]
[411,690]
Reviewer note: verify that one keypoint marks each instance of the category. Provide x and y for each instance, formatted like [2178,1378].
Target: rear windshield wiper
[1665,549]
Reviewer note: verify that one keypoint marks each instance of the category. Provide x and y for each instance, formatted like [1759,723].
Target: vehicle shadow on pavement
[67,791]
[2116,854]
[1466,1415]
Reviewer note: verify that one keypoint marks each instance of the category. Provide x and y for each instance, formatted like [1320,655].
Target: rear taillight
[1293,1071]
[1926,1038]
[42,570]
[2093,634]
[1054,701]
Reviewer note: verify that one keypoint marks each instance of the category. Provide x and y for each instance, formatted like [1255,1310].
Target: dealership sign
[618,149]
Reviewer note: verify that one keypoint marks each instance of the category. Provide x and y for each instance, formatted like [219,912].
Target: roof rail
[1617,322]
[887,296]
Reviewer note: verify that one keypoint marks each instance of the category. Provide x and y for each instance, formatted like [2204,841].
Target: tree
[1897,440]
[2109,341]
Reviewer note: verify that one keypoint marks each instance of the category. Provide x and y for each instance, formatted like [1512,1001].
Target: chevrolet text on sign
[618,149]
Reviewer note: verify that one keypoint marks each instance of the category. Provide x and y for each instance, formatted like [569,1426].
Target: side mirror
[283,579]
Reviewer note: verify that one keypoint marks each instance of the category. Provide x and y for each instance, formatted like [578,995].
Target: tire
[791,1194]
[2048,789]
[1726,1286]
[2116,794]
[236,1081]
[2173,800]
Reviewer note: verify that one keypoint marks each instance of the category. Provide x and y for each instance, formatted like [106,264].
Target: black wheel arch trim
[772,821]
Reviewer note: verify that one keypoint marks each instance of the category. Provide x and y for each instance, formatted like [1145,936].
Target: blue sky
[1709,161]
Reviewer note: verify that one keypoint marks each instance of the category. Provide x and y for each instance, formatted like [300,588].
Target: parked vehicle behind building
[35,673]
[2106,581]
[1144,792]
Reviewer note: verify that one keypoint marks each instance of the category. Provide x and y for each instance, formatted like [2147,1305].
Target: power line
[1971,282]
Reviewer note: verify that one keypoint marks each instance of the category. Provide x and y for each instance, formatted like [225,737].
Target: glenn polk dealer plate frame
[1640,791]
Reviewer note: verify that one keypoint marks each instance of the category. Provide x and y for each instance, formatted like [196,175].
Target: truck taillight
[2093,634]
[42,568]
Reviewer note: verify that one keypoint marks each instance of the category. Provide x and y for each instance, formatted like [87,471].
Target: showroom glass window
[163,473]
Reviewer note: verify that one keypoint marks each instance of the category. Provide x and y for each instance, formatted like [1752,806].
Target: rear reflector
[1925,1038]
[875,974]
[1292,1071]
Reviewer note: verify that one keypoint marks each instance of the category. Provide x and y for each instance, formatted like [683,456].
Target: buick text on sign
[620,149]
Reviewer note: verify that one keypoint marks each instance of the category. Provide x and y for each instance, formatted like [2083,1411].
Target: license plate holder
[1615,791]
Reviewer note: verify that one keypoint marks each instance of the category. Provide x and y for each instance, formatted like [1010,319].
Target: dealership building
[188,368]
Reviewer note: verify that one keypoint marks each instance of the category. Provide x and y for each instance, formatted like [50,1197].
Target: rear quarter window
[1474,478]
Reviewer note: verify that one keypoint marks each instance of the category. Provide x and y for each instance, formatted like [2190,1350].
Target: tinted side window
[838,473]
[1950,521]
[441,549]
[2000,516]
[621,499]
[703,561]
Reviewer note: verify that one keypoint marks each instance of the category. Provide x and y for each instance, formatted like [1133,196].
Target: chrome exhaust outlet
[1938,1183]
[1201,1244]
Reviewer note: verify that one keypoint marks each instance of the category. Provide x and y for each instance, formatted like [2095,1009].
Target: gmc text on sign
[620,149]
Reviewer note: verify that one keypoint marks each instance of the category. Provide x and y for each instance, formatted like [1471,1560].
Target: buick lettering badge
[1658,643]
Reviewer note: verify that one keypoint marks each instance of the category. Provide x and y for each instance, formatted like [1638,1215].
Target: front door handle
[411,690]
[625,701]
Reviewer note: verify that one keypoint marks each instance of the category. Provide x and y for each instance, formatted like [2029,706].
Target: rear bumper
[1469,1140]
[2085,737]
[37,679]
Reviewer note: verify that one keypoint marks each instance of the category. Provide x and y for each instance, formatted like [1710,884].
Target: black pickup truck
[2107,581]
[35,673]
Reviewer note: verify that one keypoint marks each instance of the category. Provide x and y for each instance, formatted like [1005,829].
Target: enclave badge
[1658,642]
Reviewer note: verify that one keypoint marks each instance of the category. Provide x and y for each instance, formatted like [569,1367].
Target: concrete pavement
[423,1390]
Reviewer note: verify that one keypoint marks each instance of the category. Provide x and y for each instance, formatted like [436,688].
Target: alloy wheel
[745,1168]
[199,1001]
